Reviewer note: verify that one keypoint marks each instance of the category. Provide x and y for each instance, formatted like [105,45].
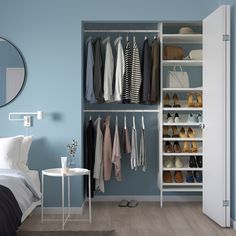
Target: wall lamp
[27,117]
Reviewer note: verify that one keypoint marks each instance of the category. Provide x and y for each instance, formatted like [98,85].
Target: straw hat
[186,30]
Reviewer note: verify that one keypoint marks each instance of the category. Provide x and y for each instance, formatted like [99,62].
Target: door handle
[202,126]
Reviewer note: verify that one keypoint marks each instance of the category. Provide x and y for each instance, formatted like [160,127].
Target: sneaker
[179,162]
[168,162]
[189,177]
[198,176]
[192,118]
[170,118]
[199,117]
[176,118]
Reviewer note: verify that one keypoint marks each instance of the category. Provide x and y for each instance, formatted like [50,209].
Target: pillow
[10,152]
[24,151]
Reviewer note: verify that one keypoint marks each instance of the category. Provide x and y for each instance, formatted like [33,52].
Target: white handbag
[177,79]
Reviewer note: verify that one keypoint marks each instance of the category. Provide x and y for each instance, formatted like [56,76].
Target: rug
[66,233]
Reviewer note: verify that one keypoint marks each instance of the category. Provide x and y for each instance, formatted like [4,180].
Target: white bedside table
[58,173]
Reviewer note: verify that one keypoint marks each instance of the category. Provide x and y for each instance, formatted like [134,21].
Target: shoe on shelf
[190,133]
[190,100]
[199,161]
[192,118]
[179,162]
[198,176]
[182,133]
[192,162]
[189,177]
[170,118]
[199,117]
[178,177]
[166,132]
[168,147]
[166,101]
[186,146]
[176,147]
[199,100]
[176,118]
[168,162]
[194,146]
[175,132]
[167,177]
[176,101]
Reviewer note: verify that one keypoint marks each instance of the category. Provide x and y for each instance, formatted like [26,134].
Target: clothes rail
[124,111]
[124,31]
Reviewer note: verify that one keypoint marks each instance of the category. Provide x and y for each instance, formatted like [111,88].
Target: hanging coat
[120,70]
[98,165]
[136,77]
[127,74]
[134,148]
[89,72]
[116,154]
[98,71]
[146,72]
[108,71]
[155,80]
[107,149]
[90,155]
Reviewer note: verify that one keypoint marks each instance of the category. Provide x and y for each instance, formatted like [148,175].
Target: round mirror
[12,72]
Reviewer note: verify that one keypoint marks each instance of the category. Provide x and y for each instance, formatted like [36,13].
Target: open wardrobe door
[216,116]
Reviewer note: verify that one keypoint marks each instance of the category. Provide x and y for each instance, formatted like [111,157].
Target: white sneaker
[179,162]
[168,162]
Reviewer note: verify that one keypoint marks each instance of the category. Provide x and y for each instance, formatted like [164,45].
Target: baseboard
[57,210]
[233,224]
[146,198]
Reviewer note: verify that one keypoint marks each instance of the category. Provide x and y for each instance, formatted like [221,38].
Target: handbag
[195,54]
[173,53]
[177,79]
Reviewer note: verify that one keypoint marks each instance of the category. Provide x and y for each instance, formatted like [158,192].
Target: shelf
[182,109]
[182,184]
[182,38]
[183,154]
[199,89]
[183,139]
[182,124]
[182,169]
[196,189]
[182,62]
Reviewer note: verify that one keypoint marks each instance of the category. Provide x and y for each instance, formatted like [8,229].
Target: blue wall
[49,35]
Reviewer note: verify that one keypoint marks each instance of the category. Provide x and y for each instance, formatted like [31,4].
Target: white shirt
[108,71]
[120,69]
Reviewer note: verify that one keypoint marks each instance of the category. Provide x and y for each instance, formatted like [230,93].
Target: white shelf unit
[182,38]
[181,62]
[190,40]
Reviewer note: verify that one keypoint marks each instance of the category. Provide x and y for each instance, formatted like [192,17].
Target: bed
[19,186]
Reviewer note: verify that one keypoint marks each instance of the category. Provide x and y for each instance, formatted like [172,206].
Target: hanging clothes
[107,149]
[98,165]
[127,74]
[146,72]
[90,155]
[90,97]
[98,71]
[155,80]
[142,148]
[134,148]
[120,69]
[116,154]
[136,76]
[126,139]
[108,71]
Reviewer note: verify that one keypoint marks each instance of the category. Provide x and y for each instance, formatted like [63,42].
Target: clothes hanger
[90,117]
[127,37]
[134,121]
[145,37]
[106,39]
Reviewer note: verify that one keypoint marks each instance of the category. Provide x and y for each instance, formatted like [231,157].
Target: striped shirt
[136,77]
[127,75]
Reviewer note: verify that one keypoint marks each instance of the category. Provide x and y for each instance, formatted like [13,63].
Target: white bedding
[24,186]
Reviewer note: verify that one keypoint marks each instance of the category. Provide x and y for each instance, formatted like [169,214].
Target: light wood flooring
[147,219]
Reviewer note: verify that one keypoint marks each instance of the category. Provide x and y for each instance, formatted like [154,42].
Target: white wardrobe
[212,81]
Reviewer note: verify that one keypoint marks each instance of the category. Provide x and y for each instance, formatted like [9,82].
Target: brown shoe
[182,133]
[174,132]
[167,177]
[165,132]
[178,177]
[168,147]
[176,147]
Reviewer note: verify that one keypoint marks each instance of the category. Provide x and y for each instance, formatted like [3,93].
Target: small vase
[71,162]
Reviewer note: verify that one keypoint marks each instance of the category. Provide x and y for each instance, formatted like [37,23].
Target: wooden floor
[147,219]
